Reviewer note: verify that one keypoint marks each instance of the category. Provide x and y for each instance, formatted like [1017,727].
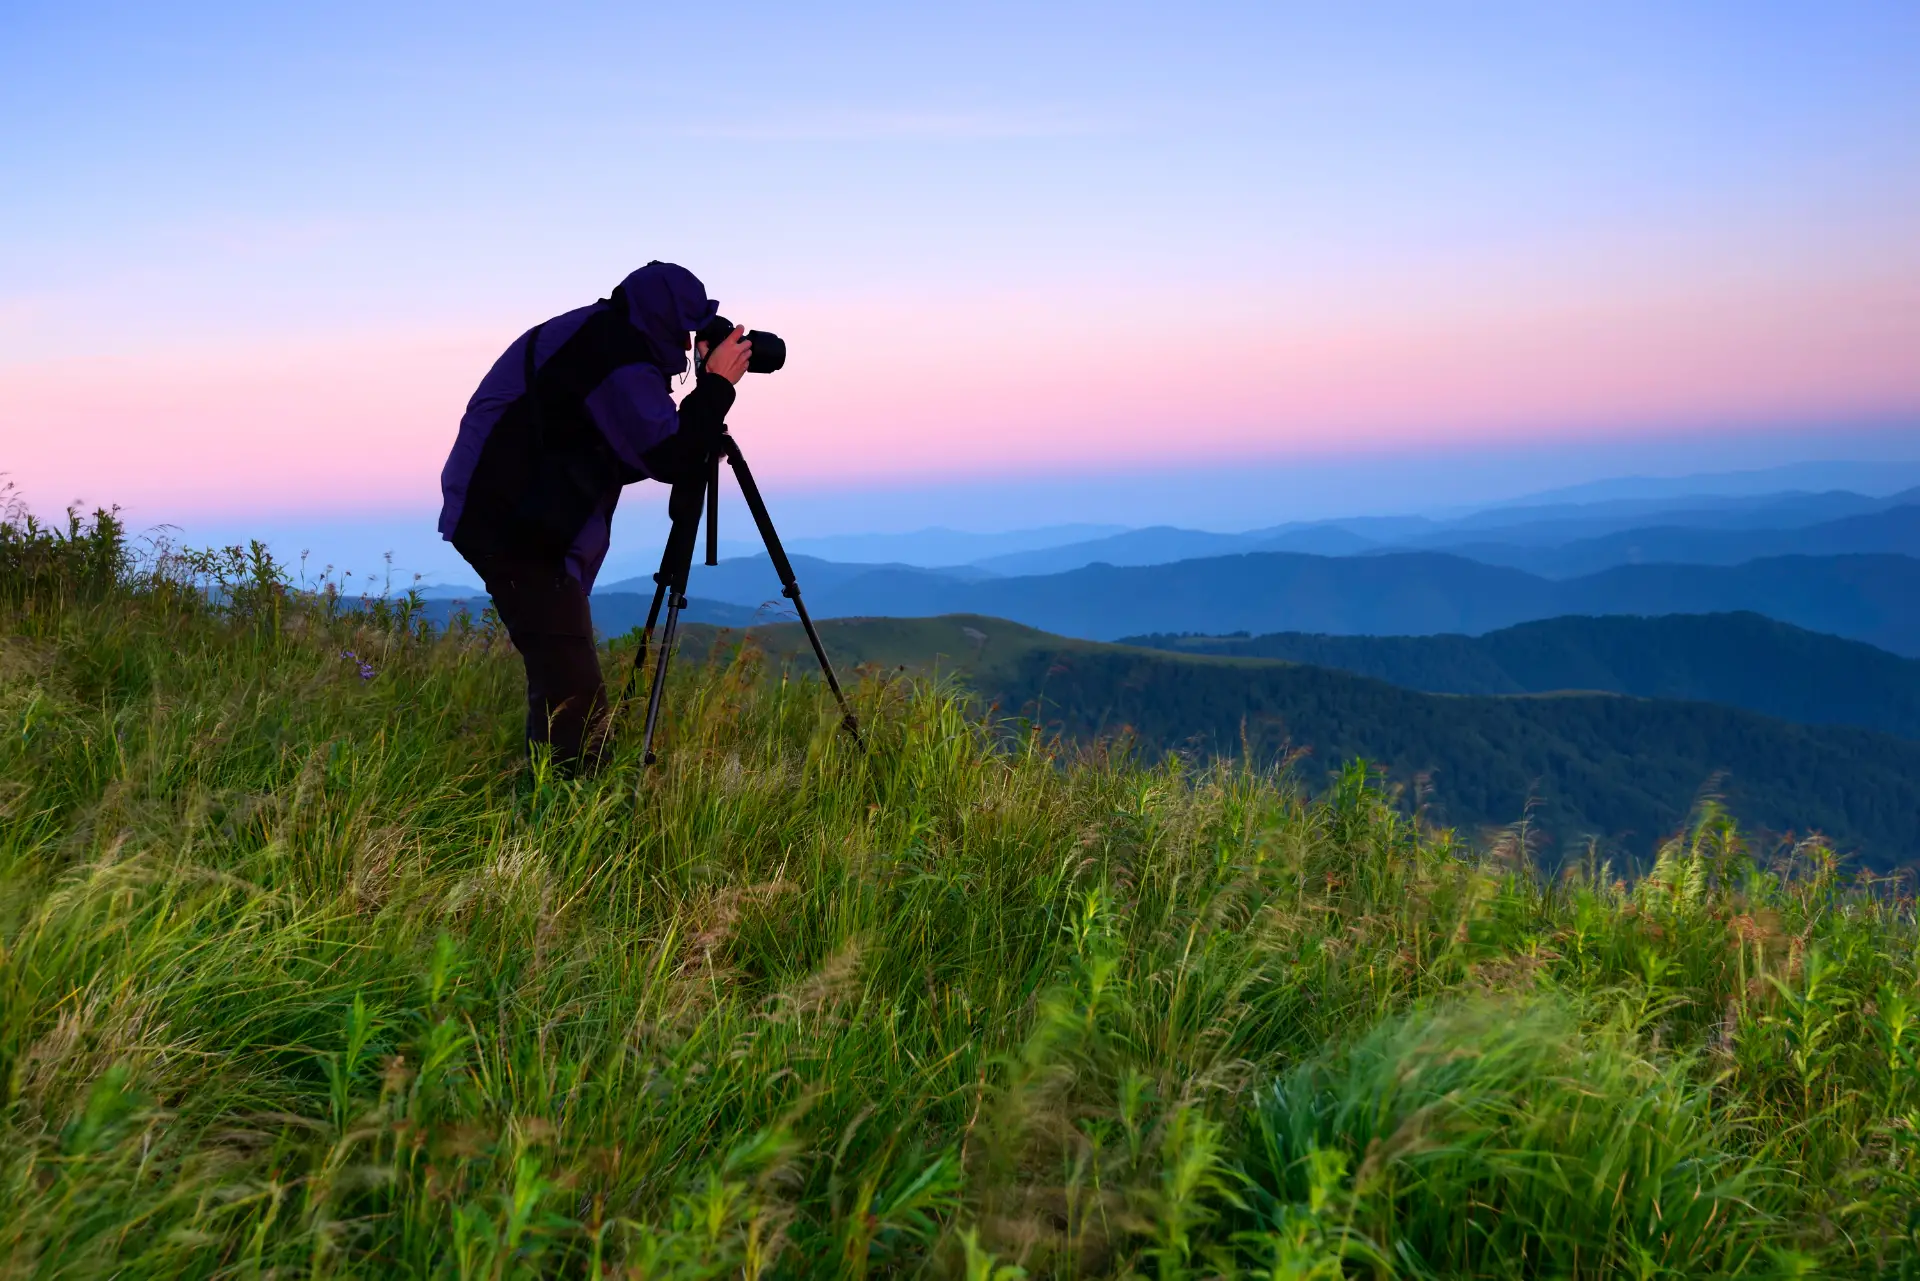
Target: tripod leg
[656,697]
[713,510]
[646,635]
[789,585]
[848,721]
[676,563]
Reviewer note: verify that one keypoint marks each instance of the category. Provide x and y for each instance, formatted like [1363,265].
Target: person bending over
[575,409]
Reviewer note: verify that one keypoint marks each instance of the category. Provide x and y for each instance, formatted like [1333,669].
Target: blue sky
[253,258]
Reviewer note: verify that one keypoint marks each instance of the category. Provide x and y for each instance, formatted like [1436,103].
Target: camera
[769,352]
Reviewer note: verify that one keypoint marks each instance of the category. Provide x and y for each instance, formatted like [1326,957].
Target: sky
[1216,265]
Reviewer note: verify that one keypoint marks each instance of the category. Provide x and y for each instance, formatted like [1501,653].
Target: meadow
[1583,767]
[306,970]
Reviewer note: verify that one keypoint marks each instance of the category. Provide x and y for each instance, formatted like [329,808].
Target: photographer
[574,410]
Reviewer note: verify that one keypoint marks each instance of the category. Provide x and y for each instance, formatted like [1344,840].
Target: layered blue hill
[1741,659]
[1872,598]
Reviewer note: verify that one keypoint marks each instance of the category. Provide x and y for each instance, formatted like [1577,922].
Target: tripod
[676,564]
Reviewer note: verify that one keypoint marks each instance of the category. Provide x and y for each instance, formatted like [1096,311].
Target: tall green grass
[306,971]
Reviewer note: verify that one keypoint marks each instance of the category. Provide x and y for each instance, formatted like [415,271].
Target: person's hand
[728,358]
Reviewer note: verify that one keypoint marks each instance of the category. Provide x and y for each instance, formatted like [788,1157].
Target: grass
[304,971]
[1586,767]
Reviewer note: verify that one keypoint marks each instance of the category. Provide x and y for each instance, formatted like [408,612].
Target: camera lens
[769,352]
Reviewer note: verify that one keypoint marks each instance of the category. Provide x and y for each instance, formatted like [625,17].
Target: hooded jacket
[605,418]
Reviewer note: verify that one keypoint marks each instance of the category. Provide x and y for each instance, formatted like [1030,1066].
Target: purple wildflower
[366,668]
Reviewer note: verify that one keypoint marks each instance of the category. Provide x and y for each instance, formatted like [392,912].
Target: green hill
[305,970]
[1625,769]
[1741,659]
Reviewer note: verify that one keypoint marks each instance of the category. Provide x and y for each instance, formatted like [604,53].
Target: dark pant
[547,618]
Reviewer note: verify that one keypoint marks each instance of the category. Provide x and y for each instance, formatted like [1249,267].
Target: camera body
[769,352]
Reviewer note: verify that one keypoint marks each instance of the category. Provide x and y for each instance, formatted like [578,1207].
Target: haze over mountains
[1895,530]
[1605,524]
[1871,598]
[1838,562]
[1525,536]
[939,546]
[1866,476]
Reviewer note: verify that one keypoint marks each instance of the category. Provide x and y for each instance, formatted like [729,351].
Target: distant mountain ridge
[1875,599]
[750,580]
[1163,544]
[1869,476]
[1590,536]
[616,614]
[937,545]
[1741,659]
[1895,530]
[1835,561]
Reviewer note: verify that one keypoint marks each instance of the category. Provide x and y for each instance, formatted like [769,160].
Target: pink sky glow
[961,386]
[255,258]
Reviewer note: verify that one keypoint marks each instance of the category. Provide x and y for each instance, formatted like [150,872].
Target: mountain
[1427,592]
[617,613]
[1895,530]
[1162,544]
[1155,545]
[1558,524]
[1550,541]
[937,546]
[1742,659]
[1870,598]
[1864,476]
[1519,536]
[1625,769]
[751,580]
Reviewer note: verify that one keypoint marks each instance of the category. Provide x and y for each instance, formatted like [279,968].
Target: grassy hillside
[304,971]
[1626,770]
[1740,659]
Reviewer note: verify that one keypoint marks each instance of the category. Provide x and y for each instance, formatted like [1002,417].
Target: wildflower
[366,668]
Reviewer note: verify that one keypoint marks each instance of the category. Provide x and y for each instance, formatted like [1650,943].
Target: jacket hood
[666,302]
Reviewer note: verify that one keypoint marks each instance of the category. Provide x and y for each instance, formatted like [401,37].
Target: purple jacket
[631,405]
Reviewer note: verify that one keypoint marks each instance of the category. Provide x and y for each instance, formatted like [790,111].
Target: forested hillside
[1625,770]
[1740,659]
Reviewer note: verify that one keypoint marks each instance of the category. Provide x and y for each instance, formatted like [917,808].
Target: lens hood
[769,352]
